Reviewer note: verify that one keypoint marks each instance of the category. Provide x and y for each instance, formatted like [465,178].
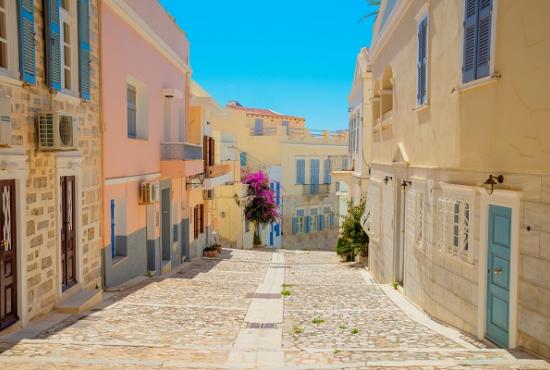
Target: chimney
[233,103]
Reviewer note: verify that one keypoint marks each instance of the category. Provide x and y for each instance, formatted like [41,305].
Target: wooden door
[68,234]
[498,274]
[8,254]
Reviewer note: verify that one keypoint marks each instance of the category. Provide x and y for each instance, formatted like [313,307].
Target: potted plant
[353,240]
[211,251]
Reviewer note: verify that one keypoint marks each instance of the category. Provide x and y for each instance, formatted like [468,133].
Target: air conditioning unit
[56,132]
[149,192]
[5,121]
[209,194]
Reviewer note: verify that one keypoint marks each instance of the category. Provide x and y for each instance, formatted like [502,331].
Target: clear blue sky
[293,56]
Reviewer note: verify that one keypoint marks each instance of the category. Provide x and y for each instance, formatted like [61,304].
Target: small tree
[260,207]
[353,239]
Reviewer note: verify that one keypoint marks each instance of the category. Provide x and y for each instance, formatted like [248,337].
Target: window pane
[65,4]
[67,79]
[66,33]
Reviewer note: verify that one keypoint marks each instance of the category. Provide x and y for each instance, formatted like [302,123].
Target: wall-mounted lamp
[387,179]
[490,183]
[406,183]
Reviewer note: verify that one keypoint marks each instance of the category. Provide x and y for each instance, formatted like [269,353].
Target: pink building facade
[146,159]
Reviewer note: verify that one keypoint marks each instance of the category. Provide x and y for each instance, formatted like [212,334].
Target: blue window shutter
[53,44]
[314,176]
[484,38]
[294,225]
[84,48]
[300,171]
[326,168]
[331,220]
[27,46]
[243,159]
[470,40]
[321,222]
[278,194]
[308,224]
[422,61]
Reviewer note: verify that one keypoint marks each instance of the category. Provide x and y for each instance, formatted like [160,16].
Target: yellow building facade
[296,160]
[458,196]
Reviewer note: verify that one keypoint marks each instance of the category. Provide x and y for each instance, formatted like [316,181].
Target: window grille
[454,226]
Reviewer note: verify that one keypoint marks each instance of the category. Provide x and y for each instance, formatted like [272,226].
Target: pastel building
[50,159]
[296,160]
[150,148]
[458,197]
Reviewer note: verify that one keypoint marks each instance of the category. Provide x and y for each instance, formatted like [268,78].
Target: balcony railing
[264,131]
[316,189]
[340,163]
[180,151]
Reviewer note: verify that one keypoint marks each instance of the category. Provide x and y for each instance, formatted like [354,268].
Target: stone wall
[39,248]
[447,287]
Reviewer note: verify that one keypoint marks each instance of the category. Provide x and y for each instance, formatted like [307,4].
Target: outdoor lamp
[490,183]
[387,179]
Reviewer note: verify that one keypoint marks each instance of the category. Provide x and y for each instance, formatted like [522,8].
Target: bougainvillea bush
[260,207]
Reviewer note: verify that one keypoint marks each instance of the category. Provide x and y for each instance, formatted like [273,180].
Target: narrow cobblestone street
[228,313]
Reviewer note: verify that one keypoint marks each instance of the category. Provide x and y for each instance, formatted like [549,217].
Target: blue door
[314,176]
[498,274]
[271,235]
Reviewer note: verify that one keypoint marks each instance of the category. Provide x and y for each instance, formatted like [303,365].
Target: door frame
[399,250]
[165,185]
[13,166]
[69,164]
[510,199]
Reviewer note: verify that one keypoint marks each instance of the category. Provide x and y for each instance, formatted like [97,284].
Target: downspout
[101,141]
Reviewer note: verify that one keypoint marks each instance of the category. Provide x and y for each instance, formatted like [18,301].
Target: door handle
[497,271]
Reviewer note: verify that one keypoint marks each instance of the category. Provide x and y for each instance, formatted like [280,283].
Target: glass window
[131,101]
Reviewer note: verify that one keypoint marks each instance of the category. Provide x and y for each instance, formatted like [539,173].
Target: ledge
[421,108]
[489,80]
[67,97]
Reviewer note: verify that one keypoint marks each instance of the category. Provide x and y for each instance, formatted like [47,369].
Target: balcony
[316,189]
[181,159]
[340,163]
[263,131]
[180,152]
[218,174]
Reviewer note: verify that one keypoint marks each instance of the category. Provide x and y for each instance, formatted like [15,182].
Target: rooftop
[260,111]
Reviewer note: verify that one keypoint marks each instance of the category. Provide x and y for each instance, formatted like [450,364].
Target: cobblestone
[335,316]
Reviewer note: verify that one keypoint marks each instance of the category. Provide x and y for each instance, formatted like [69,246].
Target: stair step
[80,301]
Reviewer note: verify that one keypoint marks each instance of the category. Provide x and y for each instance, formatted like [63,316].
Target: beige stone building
[49,159]
[458,198]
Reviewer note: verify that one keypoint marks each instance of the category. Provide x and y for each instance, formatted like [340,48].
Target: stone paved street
[228,313]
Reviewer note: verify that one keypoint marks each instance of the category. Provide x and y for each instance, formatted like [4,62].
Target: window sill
[489,80]
[9,78]
[138,138]
[67,97]
[117,260]
[421,108]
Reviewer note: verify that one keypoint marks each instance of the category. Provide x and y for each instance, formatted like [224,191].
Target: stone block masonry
[37,189]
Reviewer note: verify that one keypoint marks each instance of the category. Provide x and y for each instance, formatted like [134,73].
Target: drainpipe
[101,141]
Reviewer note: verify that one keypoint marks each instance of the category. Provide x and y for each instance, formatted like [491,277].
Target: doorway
[498,274]
[8,255]
[399,244]
[165,225]
[68,234]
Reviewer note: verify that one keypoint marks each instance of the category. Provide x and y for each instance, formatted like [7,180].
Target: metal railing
[341,162]
[180,151]
[316,189]
[265,131]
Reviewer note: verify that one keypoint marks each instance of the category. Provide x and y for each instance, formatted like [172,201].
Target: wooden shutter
[484,38]
[53,44]
[321,222]
[27,43]
[307,224]
[300,171]
[205,153]
[470,40]
[211,151]
[326,168]
[195,222]
[201,218]
[84,48]
[422,61]
[294,225]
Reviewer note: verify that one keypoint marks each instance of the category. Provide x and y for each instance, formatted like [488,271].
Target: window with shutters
[454,221]
[69,46]
[9,61]
[137,108]
[300,216]
[422,59]
[477,28]
[300,171]
[132,116]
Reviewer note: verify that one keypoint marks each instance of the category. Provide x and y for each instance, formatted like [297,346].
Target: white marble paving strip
[262,348]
